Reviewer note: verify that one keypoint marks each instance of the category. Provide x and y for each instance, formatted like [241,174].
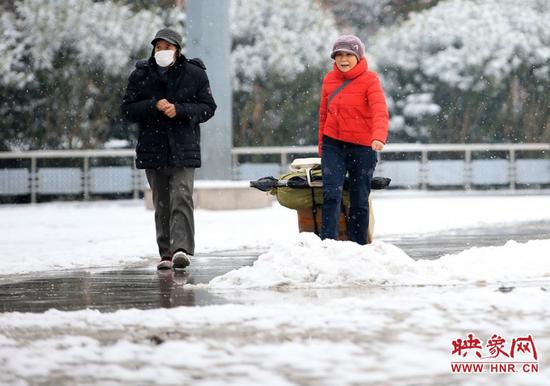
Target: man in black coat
[169,96]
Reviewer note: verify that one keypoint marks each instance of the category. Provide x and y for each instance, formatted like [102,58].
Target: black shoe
[180,260]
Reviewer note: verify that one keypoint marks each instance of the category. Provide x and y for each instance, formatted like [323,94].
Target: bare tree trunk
[244,124]
[514,108]
[258,114]
[465,130]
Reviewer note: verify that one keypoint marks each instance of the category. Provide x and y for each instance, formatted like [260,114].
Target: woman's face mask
[164,58]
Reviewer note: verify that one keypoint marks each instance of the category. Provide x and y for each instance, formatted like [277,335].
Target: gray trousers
[172,190]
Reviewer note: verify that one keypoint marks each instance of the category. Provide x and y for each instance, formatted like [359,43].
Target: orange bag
[307,223]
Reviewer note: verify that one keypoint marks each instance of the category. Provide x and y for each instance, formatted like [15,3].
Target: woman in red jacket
[353,126]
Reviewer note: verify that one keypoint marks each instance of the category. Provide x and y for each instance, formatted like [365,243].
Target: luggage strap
[337,91]
[309,178]
[314,212]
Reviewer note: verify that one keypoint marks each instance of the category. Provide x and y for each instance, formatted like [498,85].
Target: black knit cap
[169,35]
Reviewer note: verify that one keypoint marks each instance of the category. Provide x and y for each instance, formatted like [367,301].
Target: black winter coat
[164,141]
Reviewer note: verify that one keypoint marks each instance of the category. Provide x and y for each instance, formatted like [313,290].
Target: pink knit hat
[348,43]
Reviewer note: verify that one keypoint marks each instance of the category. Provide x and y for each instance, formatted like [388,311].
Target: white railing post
[379,163]
[468,173]
[284,162]
[86,178]
[235,174]
[512,169]
[136,180]
[424,170]
[33,180]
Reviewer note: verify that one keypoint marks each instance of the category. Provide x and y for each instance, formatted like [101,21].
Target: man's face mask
[164,58]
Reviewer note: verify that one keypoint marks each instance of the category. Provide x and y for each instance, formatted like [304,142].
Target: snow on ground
[395,336]
[309,312]
[311,262]
[102,234]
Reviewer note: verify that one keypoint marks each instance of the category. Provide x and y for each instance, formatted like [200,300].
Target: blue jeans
[339,158]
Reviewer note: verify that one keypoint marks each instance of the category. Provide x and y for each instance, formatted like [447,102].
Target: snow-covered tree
[470,70]
[63,63]
[102,35]
[280,50]
[282,38]
[365,17]
[457,70]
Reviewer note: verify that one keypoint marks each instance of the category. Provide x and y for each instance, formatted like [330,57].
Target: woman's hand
[377,145]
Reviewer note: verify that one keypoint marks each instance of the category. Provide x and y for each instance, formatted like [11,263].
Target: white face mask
[164,58]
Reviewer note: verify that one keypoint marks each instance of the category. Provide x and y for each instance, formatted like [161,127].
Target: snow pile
[311,262]
[70,235]
[511,262]
[308,261]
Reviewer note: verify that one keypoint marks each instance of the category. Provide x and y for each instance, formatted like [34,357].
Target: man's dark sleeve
[134,108]
[204,107]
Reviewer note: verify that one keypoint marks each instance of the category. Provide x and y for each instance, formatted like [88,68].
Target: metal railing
[84,156]
[284,151]
[511,149]
[461,171]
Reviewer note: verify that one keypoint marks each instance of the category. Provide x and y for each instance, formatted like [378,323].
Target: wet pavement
[140,287]
[144,287]
[432,246]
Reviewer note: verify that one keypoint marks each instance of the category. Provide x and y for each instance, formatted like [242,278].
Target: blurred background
[454,71]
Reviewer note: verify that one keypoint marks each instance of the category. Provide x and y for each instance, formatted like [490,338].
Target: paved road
[143,287]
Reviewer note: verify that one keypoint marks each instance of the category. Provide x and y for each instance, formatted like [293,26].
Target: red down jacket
[358,113]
